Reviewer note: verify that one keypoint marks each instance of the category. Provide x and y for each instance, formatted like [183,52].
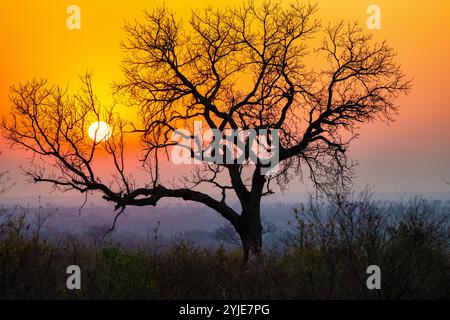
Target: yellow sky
[36,42]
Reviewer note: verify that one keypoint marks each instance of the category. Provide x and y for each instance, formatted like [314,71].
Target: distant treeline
[324,256]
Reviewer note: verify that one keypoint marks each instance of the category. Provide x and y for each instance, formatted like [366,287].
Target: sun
[100,131]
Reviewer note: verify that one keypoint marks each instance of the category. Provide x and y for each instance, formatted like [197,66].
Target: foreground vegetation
[325,258]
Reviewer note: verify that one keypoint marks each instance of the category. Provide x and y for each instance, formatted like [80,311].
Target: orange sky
[412,154]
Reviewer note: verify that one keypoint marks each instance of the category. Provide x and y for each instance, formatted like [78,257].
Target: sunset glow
[36,42]
[99,131]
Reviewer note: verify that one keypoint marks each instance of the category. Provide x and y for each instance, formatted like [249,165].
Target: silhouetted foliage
[333,244]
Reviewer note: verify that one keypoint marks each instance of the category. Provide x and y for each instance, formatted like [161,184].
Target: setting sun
[99,131]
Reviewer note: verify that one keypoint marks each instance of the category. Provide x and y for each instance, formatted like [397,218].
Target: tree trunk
[250,232]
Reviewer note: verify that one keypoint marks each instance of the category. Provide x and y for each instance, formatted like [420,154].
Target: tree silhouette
[5,184]
[236,68]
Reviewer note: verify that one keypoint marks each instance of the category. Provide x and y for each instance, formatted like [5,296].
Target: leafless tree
[235,68]
[5,184]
